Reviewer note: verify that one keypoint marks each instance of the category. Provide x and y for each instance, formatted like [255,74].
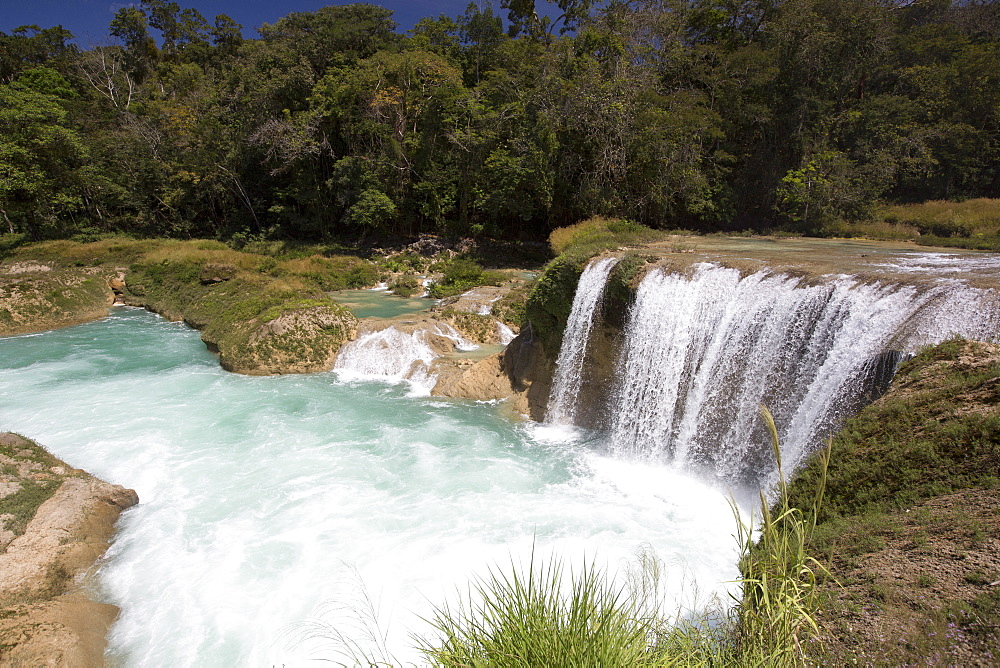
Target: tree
[40,156]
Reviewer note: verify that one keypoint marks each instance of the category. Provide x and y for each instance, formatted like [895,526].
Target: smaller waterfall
[569,366]
[395,356]
[504,333]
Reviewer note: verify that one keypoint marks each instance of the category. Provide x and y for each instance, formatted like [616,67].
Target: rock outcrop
[46,619]
[35,297]
[301,340]
[522,374]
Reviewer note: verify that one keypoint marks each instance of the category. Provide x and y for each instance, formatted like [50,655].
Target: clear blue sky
[88,19]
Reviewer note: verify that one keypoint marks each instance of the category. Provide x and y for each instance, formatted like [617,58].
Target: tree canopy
[705,114]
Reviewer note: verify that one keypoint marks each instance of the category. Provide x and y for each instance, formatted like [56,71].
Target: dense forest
[702,114]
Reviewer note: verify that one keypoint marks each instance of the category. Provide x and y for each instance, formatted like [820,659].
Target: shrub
[461,274]
[595,235]
[407,286]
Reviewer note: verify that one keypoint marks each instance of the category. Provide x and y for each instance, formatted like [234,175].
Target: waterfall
[569,366]
[702,351]
[395,356]
[388,354]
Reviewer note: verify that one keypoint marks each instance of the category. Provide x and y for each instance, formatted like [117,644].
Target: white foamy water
[390,355]
[703,351]
[561,408]
[504,333]
[266,500]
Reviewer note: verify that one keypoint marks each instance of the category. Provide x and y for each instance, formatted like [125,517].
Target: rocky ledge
[57,522]
[36,296]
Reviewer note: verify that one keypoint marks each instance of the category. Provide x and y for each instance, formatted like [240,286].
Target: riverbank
[57,522]
[265,310]
[910,527]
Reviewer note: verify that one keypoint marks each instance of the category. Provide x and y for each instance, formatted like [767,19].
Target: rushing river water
[265,501]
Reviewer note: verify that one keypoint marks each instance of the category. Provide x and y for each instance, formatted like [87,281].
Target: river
[271,507]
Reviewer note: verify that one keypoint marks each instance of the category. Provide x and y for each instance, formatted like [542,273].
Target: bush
[598,234]
[407,286]
[461,274]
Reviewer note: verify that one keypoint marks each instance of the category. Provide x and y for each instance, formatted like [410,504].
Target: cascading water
[388,354]
[569,366]
[702,351]
[392,355]
[504,333]
[266,500]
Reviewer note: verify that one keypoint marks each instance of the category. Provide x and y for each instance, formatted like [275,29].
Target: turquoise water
[380,303]
[269,503]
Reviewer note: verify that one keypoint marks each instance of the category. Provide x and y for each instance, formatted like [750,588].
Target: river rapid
[273,508]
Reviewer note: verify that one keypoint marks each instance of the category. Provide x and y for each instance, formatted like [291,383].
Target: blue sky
[88,19]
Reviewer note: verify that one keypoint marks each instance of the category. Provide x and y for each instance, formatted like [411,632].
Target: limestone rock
[485,381]
[216,273]
[303,340]
[36,297]
[44,619]
[530,370]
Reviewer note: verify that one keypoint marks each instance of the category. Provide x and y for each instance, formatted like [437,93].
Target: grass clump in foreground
[546,616]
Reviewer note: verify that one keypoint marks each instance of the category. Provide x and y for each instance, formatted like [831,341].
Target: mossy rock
[41,300]
[551,300]
[510,309]
[213,272]
[257,325]
[297,337]
[472,326]
[619,293]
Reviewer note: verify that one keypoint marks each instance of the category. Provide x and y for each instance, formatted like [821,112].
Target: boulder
[216,273]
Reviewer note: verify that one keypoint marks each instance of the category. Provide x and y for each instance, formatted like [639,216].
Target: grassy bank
[265,310]
[264,306]
[911,526]
[973,224]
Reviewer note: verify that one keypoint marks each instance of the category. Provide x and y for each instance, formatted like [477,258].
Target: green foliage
[34,489]
[802,113]
[779,604]
[461,274]
[23,504]
[407,286]
[527,618]
[511,308]
[551,300]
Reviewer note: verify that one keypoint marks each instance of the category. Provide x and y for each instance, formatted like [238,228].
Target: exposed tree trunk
[10,225]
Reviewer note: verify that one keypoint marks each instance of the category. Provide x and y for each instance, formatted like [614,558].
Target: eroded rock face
[484,380]
[45,618]
[36,297]
[302,340]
